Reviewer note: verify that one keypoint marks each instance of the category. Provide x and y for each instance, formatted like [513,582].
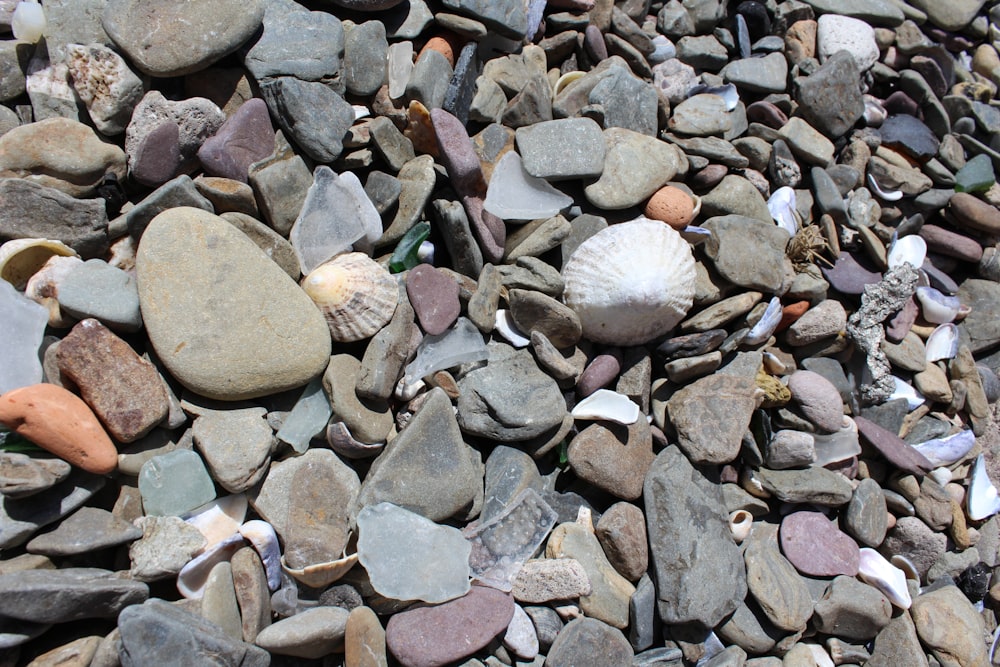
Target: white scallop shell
[630,282]
[356,294]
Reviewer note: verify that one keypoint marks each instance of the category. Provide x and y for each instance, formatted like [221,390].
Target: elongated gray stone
[698,568]
[69,594]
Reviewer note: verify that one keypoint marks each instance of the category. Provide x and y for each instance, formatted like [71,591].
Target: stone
[369,421]
[897,644]
[105,84]
[35,211]
[97,289]
[910,135]
[67,594]
[407,474]
[434,297]
[534,311]
[816,547]
[22,475]
[252,594]
[364,639]
[167,544]
[301,44]
[177,192]
[246,137]
[844,33]
[758,75]
[612,457]
[236,445]
[439,635]
[635,166]
[776,586]
[123,389]
[88,529]
[711,415]
[312,114]
[60,153]
[951,17]
[23,329]
[893,448]
[201,346]
[365,55]
[219,604]
[818,399]
[701,115]
[580,145]
[825,319]
[61,423]
[852,610]
[587,639]
[729,249]
[157,628]
[981,326]
[20,519]
[912,538]
[547,579]
[310,634]
[810,485]
[174,483]
[196,119]
[622,533]
[166,39]
[866,516]
[698,568]
[807,142]
[510,399]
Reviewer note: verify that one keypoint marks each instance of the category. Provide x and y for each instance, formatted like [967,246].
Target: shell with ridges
[356,294]
[22,258]
[631,282]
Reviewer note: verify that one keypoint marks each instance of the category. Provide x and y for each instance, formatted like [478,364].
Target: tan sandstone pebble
[672,206]
[58,421]
[543,580]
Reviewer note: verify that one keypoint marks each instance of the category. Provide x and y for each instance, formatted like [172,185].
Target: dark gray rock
[507,17]
[628,102]
[589,641]
[311,113]
[69,594]
[429,79]
[830,98]
[698,568]
[562,149]
[180,191]
[88,529]
[20,519]
[365,52]
[305,45]
[29,210]
[748,252]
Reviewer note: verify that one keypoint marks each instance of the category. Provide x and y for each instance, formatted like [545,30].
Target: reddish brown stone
[816,547]
[622,533]
[613,457]
[896,450]
[122,388]
[951,244]
[599,373]
[434,296]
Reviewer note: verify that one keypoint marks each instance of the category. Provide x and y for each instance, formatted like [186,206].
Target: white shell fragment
[514,194]
[983,499]
[220,518]
[740,524]
[608,405]
[192,578]
[942,343]
[876,571]
[504,325]
[781,205]
[766,325]
[261,536]
[941,475]
[28,22]
[910,250]
[948,450]
[937,308]
[20,259]
[630,282]
[885,195]
[914,399]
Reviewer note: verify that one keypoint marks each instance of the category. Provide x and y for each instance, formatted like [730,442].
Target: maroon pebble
[598,374]
[766,113]
[458,155]
[158,156]
[709,177]
[816,547]
[901,103]
[434,296]
[593,41]
[245,138]
[896,450]
[951,244]
[441,634]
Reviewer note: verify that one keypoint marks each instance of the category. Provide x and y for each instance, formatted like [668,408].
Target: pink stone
[434,296]
[245,138]
[816,547]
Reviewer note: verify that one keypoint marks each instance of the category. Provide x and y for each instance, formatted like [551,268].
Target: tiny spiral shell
[356,294]
[631,282]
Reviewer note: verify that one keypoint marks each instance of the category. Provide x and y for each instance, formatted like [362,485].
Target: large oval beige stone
[224,319]
[60,153]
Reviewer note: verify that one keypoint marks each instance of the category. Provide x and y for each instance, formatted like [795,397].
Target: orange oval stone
[442,45]
[790,313]
[672,206]
[58,421]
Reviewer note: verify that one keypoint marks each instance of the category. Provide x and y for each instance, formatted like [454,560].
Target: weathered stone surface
[711,415]
[68,594]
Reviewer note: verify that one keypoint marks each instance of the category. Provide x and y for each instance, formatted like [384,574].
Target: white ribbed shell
[631,282]
[356,294]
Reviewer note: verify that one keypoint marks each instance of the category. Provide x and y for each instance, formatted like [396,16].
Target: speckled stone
[816,547]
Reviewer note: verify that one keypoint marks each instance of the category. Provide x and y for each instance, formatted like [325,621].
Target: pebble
[166,545]
[586,639]
[246,137]
[22,475]
[582,136]
[622,533]
[816,547]
[312,633]
[711,415]
[547,579]
[67,594]
[779,590]
[635,166]
[818,399]
[852,610]
[943,618]
[613,458]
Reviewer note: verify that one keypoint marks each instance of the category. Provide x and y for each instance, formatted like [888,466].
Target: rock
[758,75]
[698,569]
[810,485]
[174,483]
[246,137]
[67,594]
[364,639]
[544,580]
[893,448]
[434,297]
[24,323]
[252,594]
[22,475]
[167,544]
[950,17]
[912,538]
[852,610]
[310,634]
[844,33]
[312,114]
[982,325]
[60,153]
[588,639]
[729,249]
[30,210]
[123,389]
[736,195]
[156,628]
[827,318]
[510,399]
[622,533]
[236,445]
[581,149]
[105,84]
[635,166]
[818,399]
[866,516]
[301,44]
[186,256]
[20,519]
[779,590]
[910,135]
[87,529]
[439,635]
[195,118]
[948,624]
[61,423]
[406,472]
[696,413]
[365,54]
[816,547]
[612,457]
[369,421]
[104,292]
[165,39]
[701,116]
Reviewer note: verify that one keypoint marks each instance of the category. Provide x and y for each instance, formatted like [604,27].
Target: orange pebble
[672,206]
[790,313]
[443,45]
[58,421]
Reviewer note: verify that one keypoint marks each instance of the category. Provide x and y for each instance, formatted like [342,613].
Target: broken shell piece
[885,195]
[942,343]
[740,523]
[563,81]
[983,500]
[941,475]
[630,282]
[261,536]
[728,92]
[192,578]
[339,437]
[910,249]
[781,205]
[876,571]
[766,325]
[22,258]
[948,450]
[907,566]
[220,518]
[356,295]
[905,390]
[321,575]
[43,288]
[609,405]
[504,325]
[937,308]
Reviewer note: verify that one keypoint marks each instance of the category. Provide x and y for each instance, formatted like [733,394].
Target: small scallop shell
[356,294]
[22,258]
[630,282]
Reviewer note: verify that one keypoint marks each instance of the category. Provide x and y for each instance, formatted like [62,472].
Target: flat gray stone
[310,113]
[562,149]
[747,251]
[312,633]
[305,45]
[635,166]
[68,594]
[30,210]
[20,519]
[97,289]
[88,529]
[236,445]
[758,75]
